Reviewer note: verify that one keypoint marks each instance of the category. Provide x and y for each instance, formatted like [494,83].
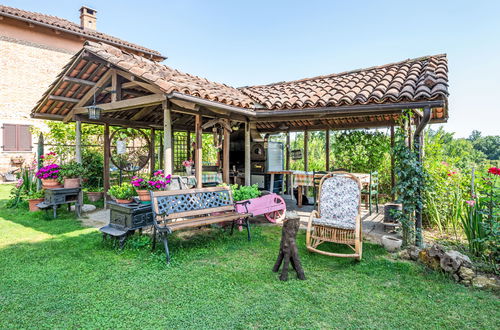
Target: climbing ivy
[410,177]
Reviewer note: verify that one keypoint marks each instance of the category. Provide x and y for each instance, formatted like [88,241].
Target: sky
[243,43]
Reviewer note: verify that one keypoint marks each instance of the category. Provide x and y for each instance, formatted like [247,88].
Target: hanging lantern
[94,112]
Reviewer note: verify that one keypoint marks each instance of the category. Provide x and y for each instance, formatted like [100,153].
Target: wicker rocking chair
[339,216]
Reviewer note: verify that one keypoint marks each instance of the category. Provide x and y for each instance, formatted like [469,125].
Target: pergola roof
[363,98]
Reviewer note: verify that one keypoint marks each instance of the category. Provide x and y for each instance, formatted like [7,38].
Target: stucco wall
[26,70]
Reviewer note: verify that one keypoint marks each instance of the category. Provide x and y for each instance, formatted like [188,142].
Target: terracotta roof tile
[71,27]
[407,81]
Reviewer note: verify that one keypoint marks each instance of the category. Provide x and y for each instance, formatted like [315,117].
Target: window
[16,137]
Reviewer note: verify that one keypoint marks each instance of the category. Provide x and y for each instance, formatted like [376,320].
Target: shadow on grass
[41,221]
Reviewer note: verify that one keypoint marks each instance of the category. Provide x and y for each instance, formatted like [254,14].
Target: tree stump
[288,249]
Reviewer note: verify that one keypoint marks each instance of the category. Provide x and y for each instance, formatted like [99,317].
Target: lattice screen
[180,141]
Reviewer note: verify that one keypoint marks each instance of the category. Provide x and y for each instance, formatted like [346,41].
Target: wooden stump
[288,249]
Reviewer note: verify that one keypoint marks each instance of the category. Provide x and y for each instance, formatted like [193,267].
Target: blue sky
[255,42]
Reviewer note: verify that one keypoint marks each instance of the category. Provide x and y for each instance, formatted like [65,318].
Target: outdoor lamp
[94,112]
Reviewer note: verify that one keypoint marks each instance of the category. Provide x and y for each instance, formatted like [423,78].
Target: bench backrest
[175,204]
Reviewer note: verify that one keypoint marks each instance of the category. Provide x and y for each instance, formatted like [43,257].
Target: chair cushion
[339,202]
[333,223]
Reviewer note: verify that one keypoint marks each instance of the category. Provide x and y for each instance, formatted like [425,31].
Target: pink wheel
[277,215]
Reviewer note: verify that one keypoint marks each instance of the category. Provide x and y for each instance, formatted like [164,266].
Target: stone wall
[26,69]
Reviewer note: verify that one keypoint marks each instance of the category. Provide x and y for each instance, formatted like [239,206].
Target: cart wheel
[275,216]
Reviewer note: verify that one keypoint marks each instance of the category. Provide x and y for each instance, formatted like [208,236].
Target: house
[34,48]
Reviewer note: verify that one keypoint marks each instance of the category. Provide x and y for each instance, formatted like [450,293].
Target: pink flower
[494,170]
[471,203]
[19,183]
[445,163]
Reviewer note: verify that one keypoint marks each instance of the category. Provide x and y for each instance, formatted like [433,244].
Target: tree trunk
[288,250]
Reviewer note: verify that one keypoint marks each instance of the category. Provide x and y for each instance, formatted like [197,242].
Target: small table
[125,219]
[60,196]
[303,179]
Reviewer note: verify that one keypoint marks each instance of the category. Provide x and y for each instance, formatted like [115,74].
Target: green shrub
[241,193]
[72,170]
[125,191]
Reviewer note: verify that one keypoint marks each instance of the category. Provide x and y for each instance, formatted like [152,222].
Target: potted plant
[49,173]
[35,197]
[72,172]
[122,194]
[143,186]
[94,194]
[188,164]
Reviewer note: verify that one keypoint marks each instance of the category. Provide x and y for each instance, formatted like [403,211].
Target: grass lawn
[58,274]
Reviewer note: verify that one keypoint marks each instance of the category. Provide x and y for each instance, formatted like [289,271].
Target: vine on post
[410,178]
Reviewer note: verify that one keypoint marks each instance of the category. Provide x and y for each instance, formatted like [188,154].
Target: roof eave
[24,19]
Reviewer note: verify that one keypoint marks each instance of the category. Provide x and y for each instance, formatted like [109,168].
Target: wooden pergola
[134,92]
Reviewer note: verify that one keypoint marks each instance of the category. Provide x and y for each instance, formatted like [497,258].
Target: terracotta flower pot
[71,182]
[94,196]
[123,201]
[144,195]
[32,204]
[50,184]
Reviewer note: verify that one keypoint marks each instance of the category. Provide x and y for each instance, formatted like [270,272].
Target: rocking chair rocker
[338,218]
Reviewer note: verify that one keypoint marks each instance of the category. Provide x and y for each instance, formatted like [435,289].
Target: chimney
[88,18]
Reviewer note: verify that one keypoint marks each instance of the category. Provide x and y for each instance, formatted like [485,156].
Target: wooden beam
[153,149]
[327,150]
[143,112]
[145,85]
[393,176]
[79,81]
[186,104]
[107,153]
[63,99]
[167,138]
[306,150]
[128,104]
[225,155]
[198,151]
[78,141]
[248,163]
[100,83]
[287,164]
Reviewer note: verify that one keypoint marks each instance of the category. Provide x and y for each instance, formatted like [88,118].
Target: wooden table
[306,179]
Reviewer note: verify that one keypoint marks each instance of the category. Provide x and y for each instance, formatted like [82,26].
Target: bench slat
[196,222]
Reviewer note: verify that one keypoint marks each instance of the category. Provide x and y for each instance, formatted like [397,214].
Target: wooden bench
[181,209]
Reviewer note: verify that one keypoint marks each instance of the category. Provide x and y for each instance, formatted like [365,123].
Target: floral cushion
[339,202]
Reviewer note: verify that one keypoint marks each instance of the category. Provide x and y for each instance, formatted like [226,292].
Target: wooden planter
[94,196]
[33,202]
[71,182]
[144,195]
[51,184]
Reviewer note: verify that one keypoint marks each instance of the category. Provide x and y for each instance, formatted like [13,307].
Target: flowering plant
[48,172]
[494,170]
[187,163]
[139,183]
[157,182]
[49,158]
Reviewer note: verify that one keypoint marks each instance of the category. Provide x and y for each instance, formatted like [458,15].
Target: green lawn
[57,274]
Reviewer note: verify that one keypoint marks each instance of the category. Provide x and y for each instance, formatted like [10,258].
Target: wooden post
[39,159]
[188,145]
[161,158]
[327,150]
[306,158]
[78,141]
[225,156]
[248,164]
[152,163]
[198,152]
[106,159]
[167,138]
[393,177]
[287,164]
